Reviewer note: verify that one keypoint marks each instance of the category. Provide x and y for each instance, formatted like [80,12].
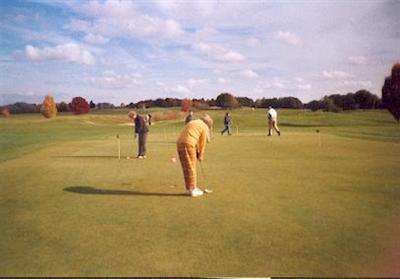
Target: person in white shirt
[272,117]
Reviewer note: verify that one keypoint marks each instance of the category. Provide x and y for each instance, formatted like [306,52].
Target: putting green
[301,204]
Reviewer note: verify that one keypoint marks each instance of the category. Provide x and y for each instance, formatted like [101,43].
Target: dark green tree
[226,100]
[391,92]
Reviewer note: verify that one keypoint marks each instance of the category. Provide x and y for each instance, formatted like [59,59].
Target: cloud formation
[336,75]
[218,53]
[70,52]
[290,38]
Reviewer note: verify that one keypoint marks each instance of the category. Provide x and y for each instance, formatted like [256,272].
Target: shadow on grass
[86,156]
[285,124]
[94,191]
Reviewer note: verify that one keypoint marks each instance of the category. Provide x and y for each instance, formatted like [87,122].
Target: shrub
[167,115]
[48,108]
[79,105]
[5,112]
[63,107]
[186,105]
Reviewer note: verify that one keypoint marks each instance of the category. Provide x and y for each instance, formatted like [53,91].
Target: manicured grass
[281,206]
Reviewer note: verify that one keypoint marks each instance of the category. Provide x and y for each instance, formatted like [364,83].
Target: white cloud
[290,38]
[70,52]
[205,33]
[218,53]
[304,86]
[252,42]
[194,82]
[109,79]
[249,74]
[358,60]
[363,83]
[179,89]
[336,75]
[222,80]
[123,19]
[95,39]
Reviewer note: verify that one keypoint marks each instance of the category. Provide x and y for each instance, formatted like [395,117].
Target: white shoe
[140,157]
[196,192]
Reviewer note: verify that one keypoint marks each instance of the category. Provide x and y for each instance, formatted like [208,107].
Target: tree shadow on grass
[94,191]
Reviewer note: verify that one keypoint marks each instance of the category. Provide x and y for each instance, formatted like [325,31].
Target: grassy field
[304,204]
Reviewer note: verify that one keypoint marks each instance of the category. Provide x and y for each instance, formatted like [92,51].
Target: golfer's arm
[202,143]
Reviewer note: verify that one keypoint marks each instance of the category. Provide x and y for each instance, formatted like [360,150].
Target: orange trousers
[188,158]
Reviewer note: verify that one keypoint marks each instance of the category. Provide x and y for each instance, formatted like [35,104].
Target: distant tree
[105,106]
[161,103]
[131,105]
[349,102]
[173,102]
[92,105]
[5,112]
[391,92]
[21,107]
[314,105]
[226,100]
[245,101]
[200,104]
[186,104]
[49,107]
[79,105]
[329,105]
[365,99]
[63,107]
[289,102]
[258,103]
[122,105]
[212,102]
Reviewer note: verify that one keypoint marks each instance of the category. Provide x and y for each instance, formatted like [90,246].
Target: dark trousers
[142,144]
[227,129]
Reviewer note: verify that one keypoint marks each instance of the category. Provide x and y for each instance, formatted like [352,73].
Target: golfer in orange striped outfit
[191,144]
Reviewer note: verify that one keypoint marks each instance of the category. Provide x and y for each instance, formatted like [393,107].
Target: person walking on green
[227,124]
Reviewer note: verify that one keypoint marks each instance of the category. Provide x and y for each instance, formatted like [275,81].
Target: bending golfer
[141,128]
[227,124]
[272,121]
[191,144]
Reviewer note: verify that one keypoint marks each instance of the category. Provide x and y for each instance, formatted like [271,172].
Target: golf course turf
[302,204]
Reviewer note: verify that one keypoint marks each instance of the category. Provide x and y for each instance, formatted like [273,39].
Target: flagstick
[119,147]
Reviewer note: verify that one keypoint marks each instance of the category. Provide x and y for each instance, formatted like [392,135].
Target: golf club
[207,191]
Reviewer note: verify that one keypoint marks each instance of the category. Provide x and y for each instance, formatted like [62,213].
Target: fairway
[302,204]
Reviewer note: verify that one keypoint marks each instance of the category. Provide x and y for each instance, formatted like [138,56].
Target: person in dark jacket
[189,117]
[141,129]
[227,124]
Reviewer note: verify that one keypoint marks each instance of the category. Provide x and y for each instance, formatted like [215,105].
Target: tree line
[362,99]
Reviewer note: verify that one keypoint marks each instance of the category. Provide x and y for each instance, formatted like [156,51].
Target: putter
[207,191]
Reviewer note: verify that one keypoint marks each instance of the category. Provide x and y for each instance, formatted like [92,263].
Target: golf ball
[173,160]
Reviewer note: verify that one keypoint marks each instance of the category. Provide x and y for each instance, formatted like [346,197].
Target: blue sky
[126,51]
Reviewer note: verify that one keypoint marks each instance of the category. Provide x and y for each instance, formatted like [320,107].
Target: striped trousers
[188,158]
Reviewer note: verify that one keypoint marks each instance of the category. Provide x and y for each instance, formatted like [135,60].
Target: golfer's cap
[207,119]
